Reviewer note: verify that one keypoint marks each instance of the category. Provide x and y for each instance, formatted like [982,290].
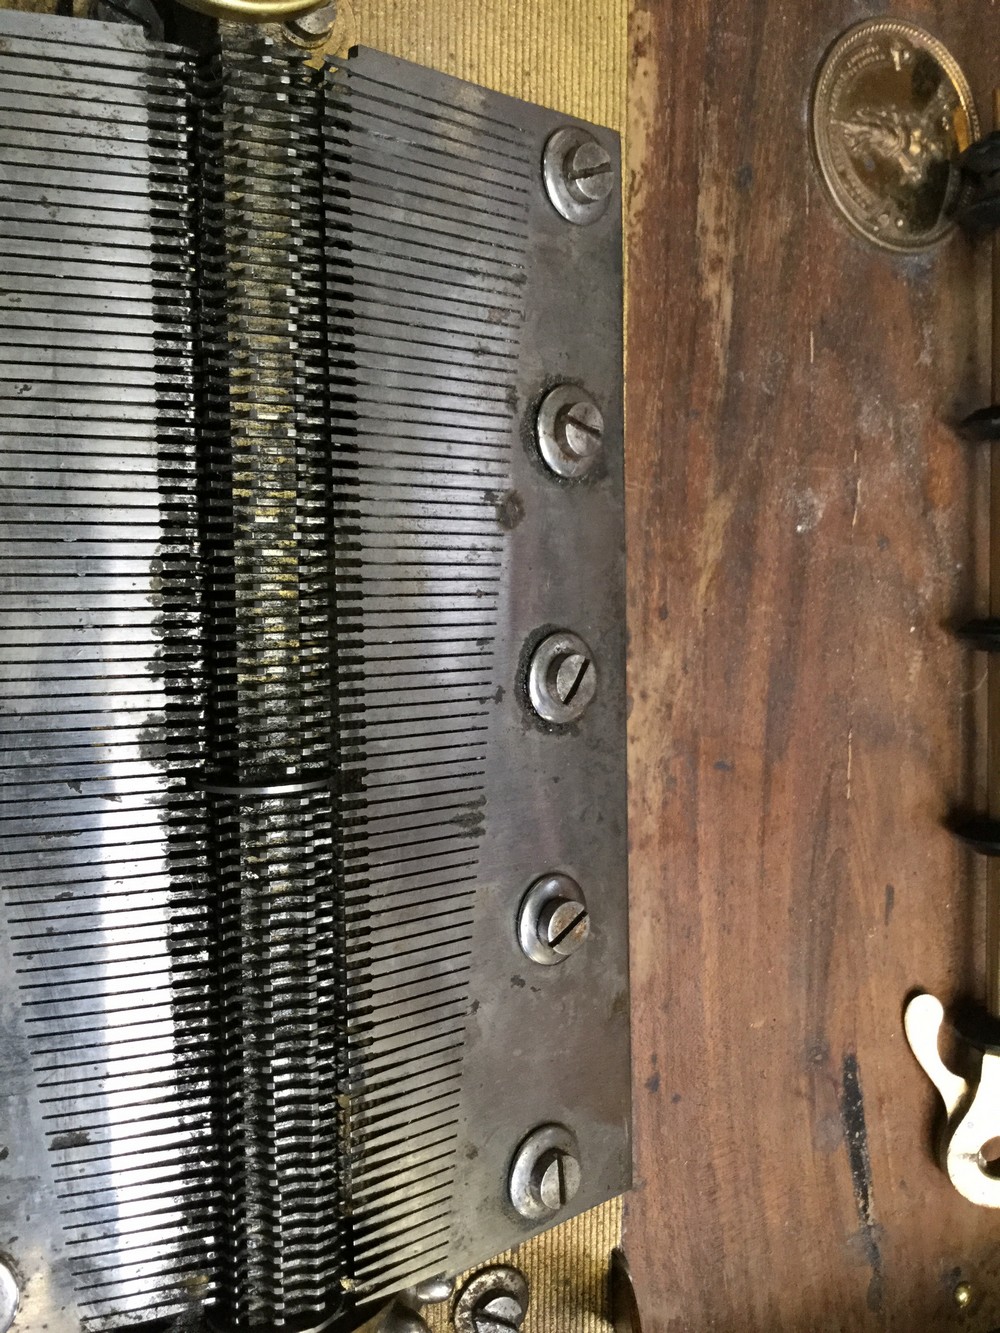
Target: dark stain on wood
[797,499]
[852,1113]
[890,902]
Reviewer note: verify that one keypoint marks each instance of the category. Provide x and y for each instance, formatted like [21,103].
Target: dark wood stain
[852,1112]
[802,719]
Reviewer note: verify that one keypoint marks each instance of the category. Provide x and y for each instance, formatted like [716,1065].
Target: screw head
[579,174]
[9,1295]
[569,431]
[503,1310]
[314,26]
[563,926]
[545,1173]
[588,171]
[494,1300]
[553,921]
[963,1295]
[483,1321]
[557,1179]
[562,678]
[580,429]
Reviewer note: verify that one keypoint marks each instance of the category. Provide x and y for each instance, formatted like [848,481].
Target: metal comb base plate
[277,548]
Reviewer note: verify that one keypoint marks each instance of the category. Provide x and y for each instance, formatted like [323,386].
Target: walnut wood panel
[803,529]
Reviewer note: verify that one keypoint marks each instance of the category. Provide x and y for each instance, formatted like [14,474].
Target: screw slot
[588,172]
[494,1300]
[553,921]
[562,678]
[556,1179]
[545,1173]
[569,431]
[578,174]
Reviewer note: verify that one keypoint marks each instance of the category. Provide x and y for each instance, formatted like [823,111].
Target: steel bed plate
[399,295]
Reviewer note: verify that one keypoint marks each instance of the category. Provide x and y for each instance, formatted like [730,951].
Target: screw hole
[989,1158]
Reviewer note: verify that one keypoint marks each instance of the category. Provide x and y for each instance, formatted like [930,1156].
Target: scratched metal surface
[572,55]
[588,1229]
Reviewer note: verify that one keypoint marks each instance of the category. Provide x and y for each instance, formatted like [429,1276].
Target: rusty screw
[494,1300]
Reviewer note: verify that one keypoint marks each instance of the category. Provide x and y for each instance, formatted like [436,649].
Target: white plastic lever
[973,1114]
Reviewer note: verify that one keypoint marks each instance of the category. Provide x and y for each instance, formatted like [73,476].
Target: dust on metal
[569,431]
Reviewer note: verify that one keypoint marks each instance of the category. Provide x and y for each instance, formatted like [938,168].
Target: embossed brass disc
[891,112]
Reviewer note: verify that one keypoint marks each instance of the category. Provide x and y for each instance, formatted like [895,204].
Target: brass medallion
[891,112]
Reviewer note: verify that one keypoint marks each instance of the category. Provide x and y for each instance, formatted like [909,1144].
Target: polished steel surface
[433,1291]
[313,27]
[104,1194]
[253,11]
[275,549]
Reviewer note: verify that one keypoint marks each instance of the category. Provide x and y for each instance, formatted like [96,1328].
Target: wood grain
[803,530]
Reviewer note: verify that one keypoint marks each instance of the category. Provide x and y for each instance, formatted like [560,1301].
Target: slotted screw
[562,678]
[581,429]
[569,431]
[545,1173]
[494,1300]
[563,926]
[588,170]
[552,920]
[579,174]
[504,1310]
[557,1179]
[500,1315]
[570,675]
